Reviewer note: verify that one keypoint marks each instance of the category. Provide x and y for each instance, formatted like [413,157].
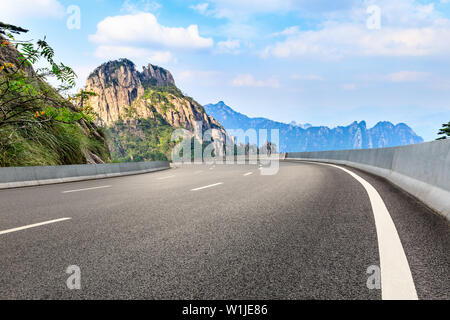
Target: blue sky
[319,62]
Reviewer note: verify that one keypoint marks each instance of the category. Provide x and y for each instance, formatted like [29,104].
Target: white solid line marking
[33,225]
[163,178]
[396,279]
[87,189]
[210,186]
[248,173]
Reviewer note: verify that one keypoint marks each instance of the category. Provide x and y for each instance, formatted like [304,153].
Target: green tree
[25,98]
[445,131]
[41,124]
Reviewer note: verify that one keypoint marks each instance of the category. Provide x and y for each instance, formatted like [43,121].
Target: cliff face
[147,103]
[125,93]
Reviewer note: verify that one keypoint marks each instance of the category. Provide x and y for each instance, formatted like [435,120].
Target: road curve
[222,232]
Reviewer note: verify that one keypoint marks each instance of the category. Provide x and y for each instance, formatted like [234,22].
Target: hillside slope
[140,110]
[46,143]
[308,138]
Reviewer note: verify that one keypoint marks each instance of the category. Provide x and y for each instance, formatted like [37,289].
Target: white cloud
[229,46]
[287,32]
[403,13]
[407,29]
[200,8]
[247,80]
[339,40]
[425,10]
[143,30]
[241,9]
[18,10]
[136,6]
[408,76]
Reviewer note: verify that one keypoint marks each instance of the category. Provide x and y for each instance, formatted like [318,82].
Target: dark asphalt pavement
[307,232]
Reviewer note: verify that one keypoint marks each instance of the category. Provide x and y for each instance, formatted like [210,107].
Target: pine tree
[445,131]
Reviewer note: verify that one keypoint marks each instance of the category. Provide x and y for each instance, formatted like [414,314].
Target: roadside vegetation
[42,124]
[445,131]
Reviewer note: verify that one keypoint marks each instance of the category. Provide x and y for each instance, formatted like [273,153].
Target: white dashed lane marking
[86,189]
[206,187]
[33,225]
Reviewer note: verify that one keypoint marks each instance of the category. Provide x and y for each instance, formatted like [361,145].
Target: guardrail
[33,176]
[422,170]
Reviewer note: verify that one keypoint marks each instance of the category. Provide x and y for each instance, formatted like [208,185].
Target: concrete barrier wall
[33,176]
[423,169]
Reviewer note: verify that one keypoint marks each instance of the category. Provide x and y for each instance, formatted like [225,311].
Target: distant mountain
[303,126]
[297,137]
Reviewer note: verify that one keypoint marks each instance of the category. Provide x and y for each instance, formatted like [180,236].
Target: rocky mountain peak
[118,84]
[123,73]
[155,75]
[124,93]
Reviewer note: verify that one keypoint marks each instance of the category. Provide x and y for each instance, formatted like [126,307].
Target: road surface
[216,232]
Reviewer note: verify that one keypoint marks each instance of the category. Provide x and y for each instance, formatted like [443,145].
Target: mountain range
[140,110]
[305,137]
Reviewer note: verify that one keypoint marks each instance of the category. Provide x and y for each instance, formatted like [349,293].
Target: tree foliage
[35,115]
[25,97]
[5,28]
[445,131]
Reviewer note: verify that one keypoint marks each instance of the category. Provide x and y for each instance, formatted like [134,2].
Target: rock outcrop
[140,110]
[125,93]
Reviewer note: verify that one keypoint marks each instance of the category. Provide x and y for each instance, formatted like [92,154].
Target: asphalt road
[214,232]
